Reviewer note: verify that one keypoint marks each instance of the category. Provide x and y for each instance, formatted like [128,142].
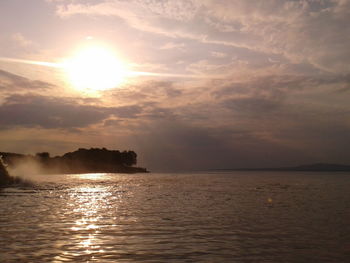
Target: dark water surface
[201,217]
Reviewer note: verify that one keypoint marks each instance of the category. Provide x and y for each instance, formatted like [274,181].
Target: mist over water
[198,217]
[28,170]
[23,174]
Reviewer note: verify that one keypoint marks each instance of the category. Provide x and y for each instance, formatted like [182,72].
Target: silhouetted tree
[43,155]
[129,158]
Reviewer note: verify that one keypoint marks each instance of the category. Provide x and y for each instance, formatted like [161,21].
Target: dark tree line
[82,161]
[102,156]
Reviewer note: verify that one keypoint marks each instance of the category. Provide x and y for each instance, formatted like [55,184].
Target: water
[199,217]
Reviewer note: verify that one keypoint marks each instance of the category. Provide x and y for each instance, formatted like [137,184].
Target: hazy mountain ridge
[320,167]
[316,167]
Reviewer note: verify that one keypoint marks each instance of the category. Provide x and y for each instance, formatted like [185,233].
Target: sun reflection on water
[92,176]
[89,204]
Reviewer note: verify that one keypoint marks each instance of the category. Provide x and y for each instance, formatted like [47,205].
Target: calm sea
[188,217]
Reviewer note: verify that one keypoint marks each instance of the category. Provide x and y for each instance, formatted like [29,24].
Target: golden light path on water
[89,203]
[177,217]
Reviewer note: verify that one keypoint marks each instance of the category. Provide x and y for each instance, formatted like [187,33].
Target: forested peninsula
[94,160]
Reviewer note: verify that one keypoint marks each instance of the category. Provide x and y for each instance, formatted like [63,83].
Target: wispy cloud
[10,82]
[22,41]
[312,31]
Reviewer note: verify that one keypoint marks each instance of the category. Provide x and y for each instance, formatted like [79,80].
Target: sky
[226,83]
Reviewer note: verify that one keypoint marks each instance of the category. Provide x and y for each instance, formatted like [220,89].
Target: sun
[94,68]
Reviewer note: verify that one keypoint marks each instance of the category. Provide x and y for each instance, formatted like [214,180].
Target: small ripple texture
[178,217]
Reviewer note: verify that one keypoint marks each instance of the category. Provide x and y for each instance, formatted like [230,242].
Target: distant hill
[317,167]
[320,167]
[92,160]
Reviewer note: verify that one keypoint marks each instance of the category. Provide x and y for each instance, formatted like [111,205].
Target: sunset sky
[187,84]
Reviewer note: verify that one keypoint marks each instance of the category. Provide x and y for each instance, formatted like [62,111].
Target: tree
[43,155]
[129,158]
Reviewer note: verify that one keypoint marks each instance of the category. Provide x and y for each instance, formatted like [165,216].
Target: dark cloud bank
[51,112]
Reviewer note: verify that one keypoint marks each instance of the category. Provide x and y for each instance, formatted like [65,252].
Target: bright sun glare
[95,68]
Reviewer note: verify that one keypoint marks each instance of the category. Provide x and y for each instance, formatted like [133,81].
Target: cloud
[218,54]
[10,82]
[57,113]
[172,45]
[252,105]
[280,84]
[239,120]
[314,32]
[22,41]
[262,121]
[181,10]
[148,92]
[301,30]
